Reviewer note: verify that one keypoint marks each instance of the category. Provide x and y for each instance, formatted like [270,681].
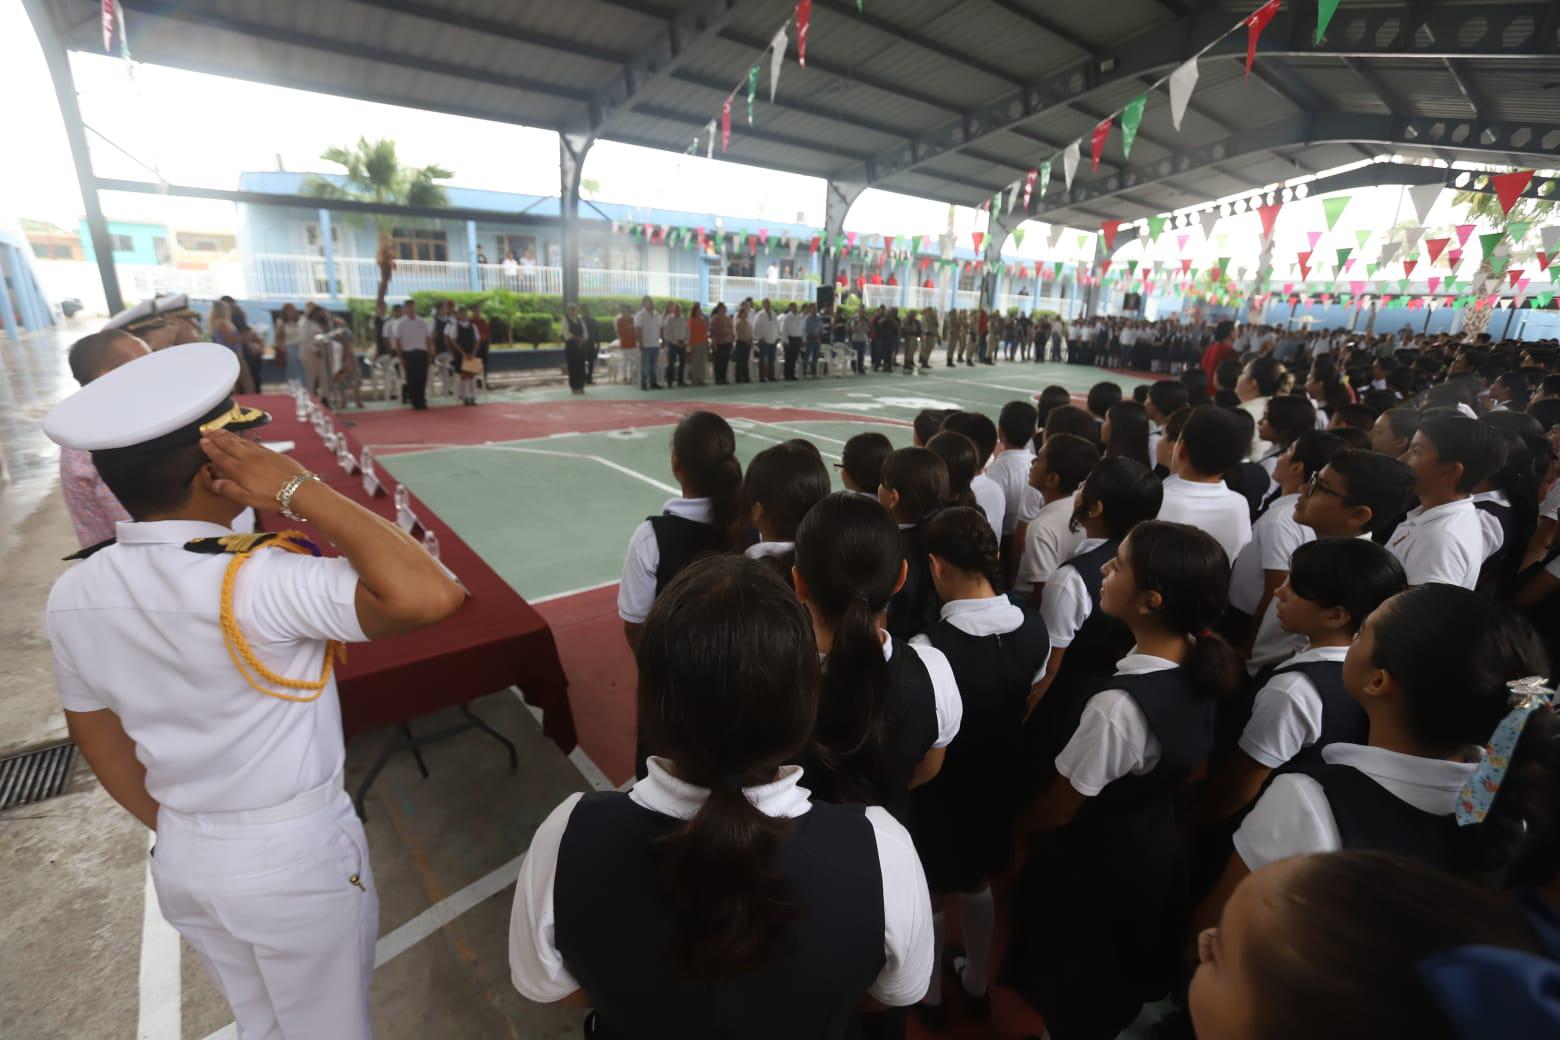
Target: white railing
[546,281]
[733,289]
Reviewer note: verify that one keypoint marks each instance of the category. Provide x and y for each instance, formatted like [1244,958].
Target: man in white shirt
[648,324]
[203,696]
[411,347]
[1442,539]
[766,333]
[1051,538]
[1211,443]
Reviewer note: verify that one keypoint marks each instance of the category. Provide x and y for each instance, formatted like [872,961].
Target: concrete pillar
[704,280]
[7,311]
[838,198]
[572,149]
[330,255]
[471,255]
[990,280]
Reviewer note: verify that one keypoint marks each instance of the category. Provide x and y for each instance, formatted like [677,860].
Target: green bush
[533,328]
[501,301]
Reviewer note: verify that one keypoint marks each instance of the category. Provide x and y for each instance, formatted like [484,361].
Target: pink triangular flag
[1180,242]
[1434,283]
[1314,237]
[1463,231]
[1454,257]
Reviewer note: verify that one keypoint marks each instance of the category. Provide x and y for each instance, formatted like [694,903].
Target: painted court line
[160,1011]
[398,940]
[565,594]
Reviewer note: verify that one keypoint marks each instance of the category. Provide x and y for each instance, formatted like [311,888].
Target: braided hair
[962,537]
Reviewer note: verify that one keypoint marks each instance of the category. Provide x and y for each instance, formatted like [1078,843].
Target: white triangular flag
[1389,250]
[1411,237]
[709,133]
[1423,197]
[1181,82]
[1052,236]
[1012,202]
[776,59]
[1208,218]
[1070,163]
[1551,237]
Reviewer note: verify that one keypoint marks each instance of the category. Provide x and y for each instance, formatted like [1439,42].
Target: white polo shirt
[536,966]
[648,325]
[1065,603]
[636,587]
[1293,817]
[1494,534]
[1049,542]
[136,629]
[989,496]
[1113,738]
[1287,716]
[1444,543]
[1010,472]
[1224,514]
[1274,537]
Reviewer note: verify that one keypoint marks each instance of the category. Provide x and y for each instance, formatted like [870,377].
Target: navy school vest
[1181,719]
[994,673]
[1343,720]
[1371,817]
[679,542]
[613,927]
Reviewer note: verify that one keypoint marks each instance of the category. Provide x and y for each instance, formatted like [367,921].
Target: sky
[219,127]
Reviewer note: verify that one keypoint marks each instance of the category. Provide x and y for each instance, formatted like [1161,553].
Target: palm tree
[1483,205]
[375,174]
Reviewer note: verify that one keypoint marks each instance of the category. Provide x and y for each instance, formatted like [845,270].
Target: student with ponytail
[1440,672]
[781,485]
[889,709]
[1101,906]
[704,461]
[960,455]
[913,486]
[962,819]
[715,898]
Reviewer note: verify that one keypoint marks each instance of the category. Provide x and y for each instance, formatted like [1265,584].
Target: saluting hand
[247,473]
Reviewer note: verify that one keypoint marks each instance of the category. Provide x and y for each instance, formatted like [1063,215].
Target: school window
[62,252]
[311,233]
[739,265]
[522,246]
[123,244]
[160,249]
[969,281]
[412,244]
[40,250]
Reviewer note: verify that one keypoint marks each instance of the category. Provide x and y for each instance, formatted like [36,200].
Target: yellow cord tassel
[243,656]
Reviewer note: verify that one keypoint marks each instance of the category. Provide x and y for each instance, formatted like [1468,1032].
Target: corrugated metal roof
[877,79]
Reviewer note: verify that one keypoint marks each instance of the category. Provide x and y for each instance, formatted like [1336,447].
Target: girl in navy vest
[781,485]
[1508,502]
[962,820]
[889,709]
[913,486]
[704,461]
[1437,670]
[1101,907]
[1085,642]
[714,898]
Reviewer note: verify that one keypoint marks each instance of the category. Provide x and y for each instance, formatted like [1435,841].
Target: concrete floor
[85,957]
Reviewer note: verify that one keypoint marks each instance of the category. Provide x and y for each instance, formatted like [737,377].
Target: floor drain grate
[35,775]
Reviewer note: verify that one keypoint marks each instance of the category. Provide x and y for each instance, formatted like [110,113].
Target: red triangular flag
[1254,25]
[1463,231]
[1544,260]
[725,125]
[1453,257]
[1186,266]
[1110,228]
[1097,143]
[803,17]
[888,243]
[1305,265]
[1408,267]
[1513,276]
[1434,246]
[1269,214]
[978,237]
[1509,187]
[1104,267]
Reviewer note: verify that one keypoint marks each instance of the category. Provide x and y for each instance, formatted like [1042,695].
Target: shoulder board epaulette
[230,543]
[82,554]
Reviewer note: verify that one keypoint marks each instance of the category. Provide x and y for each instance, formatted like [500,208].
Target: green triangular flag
[752,89]
[1541,300]
[996,206]
[1131,268]
[1517,230]
[1554,273]
[1325,9]
[1371,269]
[1344,254]
[1498,264]
[1018,236]
[1131,116]
[1045,177]
[1490,241]
[1224,263]
[1362,236]
[915,245]
[1333,208]
[1083,240]
[1402,285]
[1156,226]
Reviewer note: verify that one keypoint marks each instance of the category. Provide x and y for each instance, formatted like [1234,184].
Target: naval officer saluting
[195,669]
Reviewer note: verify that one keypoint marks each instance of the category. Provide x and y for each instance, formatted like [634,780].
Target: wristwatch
[284,497]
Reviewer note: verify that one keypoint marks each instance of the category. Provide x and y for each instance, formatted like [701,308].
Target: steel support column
[837,199]
[52,42]
[990,281]
[572,149]
[330,255]
[9,266]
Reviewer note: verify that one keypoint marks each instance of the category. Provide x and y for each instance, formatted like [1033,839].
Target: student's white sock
[939,936]
[978,918]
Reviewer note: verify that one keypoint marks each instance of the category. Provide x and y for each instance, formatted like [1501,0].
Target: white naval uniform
[260,862]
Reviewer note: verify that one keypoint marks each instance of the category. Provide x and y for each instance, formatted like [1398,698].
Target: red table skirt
[496,640]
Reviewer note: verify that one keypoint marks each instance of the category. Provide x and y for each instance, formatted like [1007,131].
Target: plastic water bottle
[431,543]
[403,499]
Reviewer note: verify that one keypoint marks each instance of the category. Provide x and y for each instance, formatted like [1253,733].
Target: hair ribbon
[1527,696]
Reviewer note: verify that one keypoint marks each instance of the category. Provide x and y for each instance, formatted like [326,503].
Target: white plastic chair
[839,359]
[443,379]
[388,377]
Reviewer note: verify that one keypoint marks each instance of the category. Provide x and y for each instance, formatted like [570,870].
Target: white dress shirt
[1113,738]
[766,327]
[1065,603]
[989,496]
[1494,534]
[537,968]
[1287,716]
[1256,408]
[1293,817]
[674,329]
[636,588]
[1274,537]
[1224,514]
[136,629]
[1010,471]
[1049,542]
[648,325]
[989,616]
[1444,543]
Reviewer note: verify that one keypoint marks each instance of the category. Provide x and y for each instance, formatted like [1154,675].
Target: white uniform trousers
[280,904]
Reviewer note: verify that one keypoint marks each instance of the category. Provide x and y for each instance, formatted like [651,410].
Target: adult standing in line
[953,328]
[929,337]
[316,369]
[575,340]
[484,335]
[744,334]
[628,342]
[860,335]
[766,332]
[889,327]
[699,345]
[287,340]
[793,326]
[412,338]
[812,335]
[1220,350]
[381,319]
[232,751]
[647,323]
[674,333]
[724,335]
[910,336]
[92,506]
[995,323]
[219,324]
